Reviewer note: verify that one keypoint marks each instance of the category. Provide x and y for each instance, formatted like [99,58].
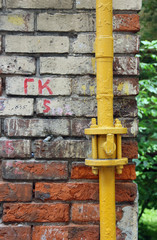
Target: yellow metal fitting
[109,145]
[95,170]
[117,123]
[119,169]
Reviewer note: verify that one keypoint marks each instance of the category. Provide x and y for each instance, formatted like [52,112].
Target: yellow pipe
[107,203]
[104,57]
[106,137]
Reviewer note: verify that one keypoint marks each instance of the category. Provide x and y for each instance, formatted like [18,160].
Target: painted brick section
[66,107]
[86,65]
[84,43]
[37,44]
[35,212]
[83,107]
[122,86]
[117,4]
[36,127]
[0,43]
[87,212]
[126,22]
[1,87]
[16,106]
[17,65]
[60,149]
[60,22]
[72,232]
[15,232]
[32,170]
[82,22]
[54,4]
[17,21]
[44,86]
[81,171]
[79,124]
[15,148]
[15,192]
[125,192]
[67,191]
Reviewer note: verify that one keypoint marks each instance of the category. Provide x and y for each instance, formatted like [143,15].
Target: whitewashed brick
[61,22]
[86,86]
[117,4]
[127,4]
[45,4]
[16,106]
[66,107]
[15,148]
[0,43]
[36,127]
[46,86]
[84,106]
[36,44]
[84,43]
[86,65]
[17,21]
[17,64]
[69,65]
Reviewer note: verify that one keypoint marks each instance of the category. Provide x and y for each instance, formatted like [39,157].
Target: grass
[148,225]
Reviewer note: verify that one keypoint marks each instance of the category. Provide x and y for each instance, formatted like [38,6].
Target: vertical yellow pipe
[107,203]
[104,57]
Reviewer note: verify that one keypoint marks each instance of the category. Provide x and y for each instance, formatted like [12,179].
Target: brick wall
[47,87]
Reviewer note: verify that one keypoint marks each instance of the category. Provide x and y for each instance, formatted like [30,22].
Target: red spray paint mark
[8,147]
[26,84]
[42,86]
[47,108]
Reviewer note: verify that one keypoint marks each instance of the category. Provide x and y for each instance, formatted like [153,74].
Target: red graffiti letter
[41,87]
[47,108]
[25,84]
[8,147]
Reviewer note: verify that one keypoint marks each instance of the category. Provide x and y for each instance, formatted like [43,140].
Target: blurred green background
[146,164]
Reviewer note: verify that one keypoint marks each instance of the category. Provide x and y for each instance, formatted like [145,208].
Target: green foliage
[148,225]
[148,19]
[147,137]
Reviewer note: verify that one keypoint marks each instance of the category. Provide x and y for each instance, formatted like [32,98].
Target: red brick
[130,149]
[126,192]
[67,191]
[13,192]
[50,170]
[81,171]
[120,235]
[71,232]
[85,212]
[15,232]
[126,22]
[15,148]
[35,212]
[82,191]
[128,173]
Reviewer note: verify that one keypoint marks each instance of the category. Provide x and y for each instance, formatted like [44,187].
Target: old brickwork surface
[47,88]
